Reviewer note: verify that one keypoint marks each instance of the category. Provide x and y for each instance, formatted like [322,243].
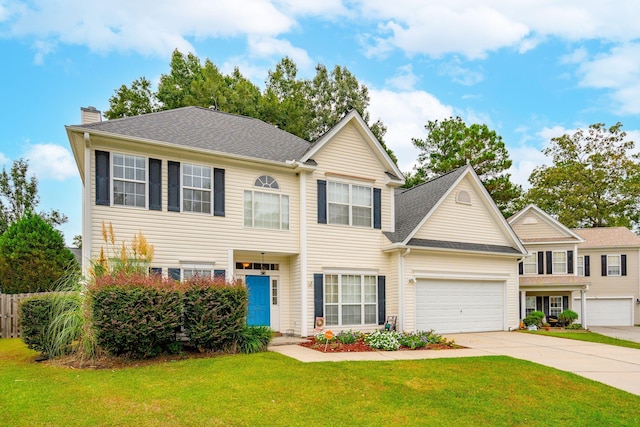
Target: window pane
[613,265]
[351,315]
[129,180]
[531,264]
[331,314]
[351,289]
[370,289]
[331,289]
[285,212]
[338,214]
[266,210]
[370,314]
[361,216]
[248,209]
[361,196]
[559,262]
[555,305]
[338,193]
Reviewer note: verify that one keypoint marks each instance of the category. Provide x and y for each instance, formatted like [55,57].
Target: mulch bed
[360,346]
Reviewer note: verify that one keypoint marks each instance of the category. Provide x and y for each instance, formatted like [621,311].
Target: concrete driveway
[616,366]
[629,333]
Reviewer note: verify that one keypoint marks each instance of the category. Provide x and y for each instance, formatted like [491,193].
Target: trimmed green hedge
[36,316]
[214,313]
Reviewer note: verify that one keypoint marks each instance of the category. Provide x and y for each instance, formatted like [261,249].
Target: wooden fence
[9,303]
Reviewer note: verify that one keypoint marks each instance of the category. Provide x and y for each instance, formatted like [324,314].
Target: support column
[523,304]
[583,308]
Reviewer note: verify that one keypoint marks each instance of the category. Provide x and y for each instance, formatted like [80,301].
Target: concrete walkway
[629,333]
[616,366]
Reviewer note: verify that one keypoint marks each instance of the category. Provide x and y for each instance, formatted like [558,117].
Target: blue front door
[258,287]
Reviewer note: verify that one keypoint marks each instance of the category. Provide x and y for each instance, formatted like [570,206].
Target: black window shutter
[377,208]
[174,273]
[569,262]
[173,187]
[218,192]
[318,295]
[155,184]
[521,268]
[382,300]
[546,305]
[220,274]
[603,265]
[155,271]
[565,302]
[322,202]
[623,265]
[540,262]
[538,303]
[549,262]
[587,266]
[102,178]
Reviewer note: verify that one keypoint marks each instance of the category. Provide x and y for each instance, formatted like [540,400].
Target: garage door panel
[459,306]
[607,311]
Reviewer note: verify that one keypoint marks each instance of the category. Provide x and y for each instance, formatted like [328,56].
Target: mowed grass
[271,389]
[589,337]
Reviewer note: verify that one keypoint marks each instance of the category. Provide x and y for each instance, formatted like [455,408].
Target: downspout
[86,206]
[401,286]
[303,255]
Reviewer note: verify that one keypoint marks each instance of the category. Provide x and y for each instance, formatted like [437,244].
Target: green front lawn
[587,336]
[271,389]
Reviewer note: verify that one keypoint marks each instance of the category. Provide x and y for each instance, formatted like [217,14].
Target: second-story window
[530,263]
[196,195]
[580,266]
[559,262]
[613,265]
[349,204]
[129,180]
[266,209]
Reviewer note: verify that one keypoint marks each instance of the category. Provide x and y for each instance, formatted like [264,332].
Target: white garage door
[607,311]
[450,306]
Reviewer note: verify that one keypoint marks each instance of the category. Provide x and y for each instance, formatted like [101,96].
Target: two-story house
[593,271]
[314,229]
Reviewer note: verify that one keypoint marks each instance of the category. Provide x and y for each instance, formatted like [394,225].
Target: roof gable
[207,130]
[533,225]
[355,119]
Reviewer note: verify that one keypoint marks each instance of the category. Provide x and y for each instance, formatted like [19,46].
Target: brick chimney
[90,115]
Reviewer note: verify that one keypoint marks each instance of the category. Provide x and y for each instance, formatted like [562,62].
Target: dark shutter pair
[318,297]
[322,205]
[103,174]
[623,265]
[173,189]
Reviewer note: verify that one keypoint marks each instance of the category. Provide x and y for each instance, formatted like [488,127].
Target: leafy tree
[451,143]
[174,90]
[132,101]
[594,180]
[19,194]
[33,257]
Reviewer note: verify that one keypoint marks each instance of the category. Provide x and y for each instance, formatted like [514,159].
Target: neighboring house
[592,271]
[314,229]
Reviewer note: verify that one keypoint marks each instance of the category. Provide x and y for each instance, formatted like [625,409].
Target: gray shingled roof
[414,204]
[441,244]
[210,130]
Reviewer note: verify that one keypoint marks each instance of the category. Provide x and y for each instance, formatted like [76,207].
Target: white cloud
[459,74]
[404,79]
[273,47]
[578,56]
[525,159]
[50,161]
[405,113]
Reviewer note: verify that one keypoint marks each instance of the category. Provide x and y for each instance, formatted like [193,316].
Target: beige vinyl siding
[337,246]
[468,266]
[612,286]
[459,222]
[295,296]
[532,226]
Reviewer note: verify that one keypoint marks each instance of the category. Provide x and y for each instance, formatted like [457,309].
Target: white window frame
[554,262]
[351,204]
[618,259]
[274,291]
[528,261]
[580,265]
[529,307]
[125,180]
[367,300]
[554,309]
[193,188]
[203,270]
[284,204]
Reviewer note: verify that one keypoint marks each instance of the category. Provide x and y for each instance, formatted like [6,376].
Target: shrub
[33,257]
[40,330]
[568,317]
[383,340]
[135,315]
[534,318]
[348,337]
[254,339]
[574,326]
[322,339]
[419,339]
[214,313]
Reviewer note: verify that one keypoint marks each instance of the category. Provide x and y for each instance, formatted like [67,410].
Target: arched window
[265,181]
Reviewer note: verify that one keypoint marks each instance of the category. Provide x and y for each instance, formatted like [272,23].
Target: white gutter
[304,289]
[86,206]
[401,287]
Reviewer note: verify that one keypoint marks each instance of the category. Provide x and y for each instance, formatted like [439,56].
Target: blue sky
[529,69]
